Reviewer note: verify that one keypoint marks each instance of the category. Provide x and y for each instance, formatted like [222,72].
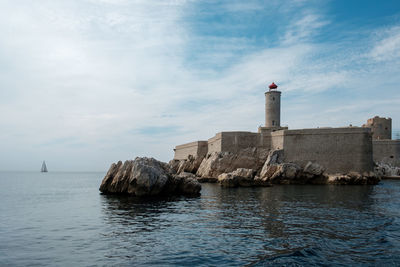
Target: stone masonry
[339,150]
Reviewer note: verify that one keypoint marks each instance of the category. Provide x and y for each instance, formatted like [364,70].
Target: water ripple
[62,220]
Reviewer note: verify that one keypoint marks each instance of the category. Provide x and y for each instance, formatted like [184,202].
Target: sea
[61,219]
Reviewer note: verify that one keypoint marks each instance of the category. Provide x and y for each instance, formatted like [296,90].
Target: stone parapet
[196,149]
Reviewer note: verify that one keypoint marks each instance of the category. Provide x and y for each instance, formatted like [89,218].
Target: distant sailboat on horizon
[44,167]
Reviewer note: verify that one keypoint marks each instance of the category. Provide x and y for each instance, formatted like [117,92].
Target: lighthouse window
[273,123]
[273,98]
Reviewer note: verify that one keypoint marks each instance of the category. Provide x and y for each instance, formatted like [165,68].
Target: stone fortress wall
[339,150]
[215,144]
[237,141]
[381,127]
[198,149]
[385,149]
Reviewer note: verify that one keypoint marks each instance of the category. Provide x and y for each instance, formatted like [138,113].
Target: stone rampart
[339,150]
[215,144]
[387,151]
[381,127]
[196,149]
[277,140]
[237,141]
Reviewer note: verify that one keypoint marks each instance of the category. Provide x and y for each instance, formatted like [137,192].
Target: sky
[85,83]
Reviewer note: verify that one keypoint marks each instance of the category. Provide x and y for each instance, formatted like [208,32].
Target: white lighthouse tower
[272,110]
[273,107]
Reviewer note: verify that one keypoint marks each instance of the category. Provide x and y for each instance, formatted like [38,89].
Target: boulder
[174,165]
[274,158]
[290,170]
[184,183]
[313,173]
[240,177]
[261,182]
[147,177]
[185,175]
[191,164]
[313,169]
[290,173]
[244,173]
[224,162]
[228,180]
[207,179]
[386,170]
[354,178]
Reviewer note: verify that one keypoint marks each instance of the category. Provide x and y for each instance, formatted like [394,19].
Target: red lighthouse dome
[273,86]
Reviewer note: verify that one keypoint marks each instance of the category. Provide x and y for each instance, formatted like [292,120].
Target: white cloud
[303,28]
[387,47]
[85,82]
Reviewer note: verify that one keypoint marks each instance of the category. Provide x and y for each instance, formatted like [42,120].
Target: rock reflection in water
[236,226]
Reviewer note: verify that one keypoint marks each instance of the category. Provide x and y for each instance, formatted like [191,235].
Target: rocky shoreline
[252,167]
[145,177]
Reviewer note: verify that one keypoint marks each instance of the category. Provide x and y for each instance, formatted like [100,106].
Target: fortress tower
[381,128]
[273,107]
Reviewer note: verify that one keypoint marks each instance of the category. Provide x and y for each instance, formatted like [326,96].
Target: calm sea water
[60,219]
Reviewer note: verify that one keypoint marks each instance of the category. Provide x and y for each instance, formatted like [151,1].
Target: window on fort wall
[273,123]
[273,98]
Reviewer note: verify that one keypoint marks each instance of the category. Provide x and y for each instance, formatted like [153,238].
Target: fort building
[381,128]
[198,149]
[339,150]
[385,149]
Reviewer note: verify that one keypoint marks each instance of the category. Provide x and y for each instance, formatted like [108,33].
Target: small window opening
[273,123]
[386,128]
[391,157]
[273,98]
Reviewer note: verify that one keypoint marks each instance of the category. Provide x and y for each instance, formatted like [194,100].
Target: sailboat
[44,167]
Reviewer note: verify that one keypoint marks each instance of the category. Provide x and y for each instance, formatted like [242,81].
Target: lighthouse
[273,107]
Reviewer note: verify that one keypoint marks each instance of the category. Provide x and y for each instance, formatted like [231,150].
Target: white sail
[44,167]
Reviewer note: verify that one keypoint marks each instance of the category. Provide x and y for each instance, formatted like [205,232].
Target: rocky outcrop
[239,177]
[354,178]
[147,177]
[274,157]
[312,173]
[191,164]
[276,171]
[387,170]
[313,169]
[290,173]
[184,184]
[225,162]
[260,167]
[207,179]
